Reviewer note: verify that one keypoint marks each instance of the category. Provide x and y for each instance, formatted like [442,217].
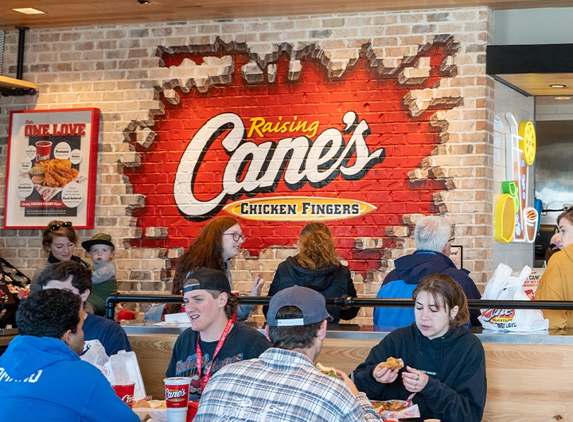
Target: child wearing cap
[100,248]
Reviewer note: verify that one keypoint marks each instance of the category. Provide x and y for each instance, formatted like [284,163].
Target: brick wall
[120,70]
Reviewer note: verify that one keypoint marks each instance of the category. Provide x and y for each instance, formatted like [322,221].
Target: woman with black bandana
[58,240]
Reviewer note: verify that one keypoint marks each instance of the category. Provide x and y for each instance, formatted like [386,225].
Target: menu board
[51,168]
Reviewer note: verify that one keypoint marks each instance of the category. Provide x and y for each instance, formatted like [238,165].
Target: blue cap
[311,303]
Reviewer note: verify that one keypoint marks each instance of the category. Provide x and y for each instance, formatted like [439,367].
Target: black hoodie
[455,364]
[331,281]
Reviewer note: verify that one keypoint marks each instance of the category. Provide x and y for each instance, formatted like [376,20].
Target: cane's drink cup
[531,218]
[43,150]
[125,392]
[177,398]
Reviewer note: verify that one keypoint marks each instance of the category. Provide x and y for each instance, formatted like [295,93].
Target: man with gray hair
[434,237]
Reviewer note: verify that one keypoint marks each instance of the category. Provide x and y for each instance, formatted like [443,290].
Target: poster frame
[17,140]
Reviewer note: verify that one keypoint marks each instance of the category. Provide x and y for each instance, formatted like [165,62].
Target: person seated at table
[219,241]
[433,235]
[78,279]
[556,282]
[58,240]
[444,362]
[213,340]
[317,266]
[42,377]
[283,383]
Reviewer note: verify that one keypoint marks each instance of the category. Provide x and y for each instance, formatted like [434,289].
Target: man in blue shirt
[77,278]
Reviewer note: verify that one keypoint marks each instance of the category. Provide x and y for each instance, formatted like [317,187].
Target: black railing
[348,302]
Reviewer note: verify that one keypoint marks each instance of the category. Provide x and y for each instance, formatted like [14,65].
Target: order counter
[529,376]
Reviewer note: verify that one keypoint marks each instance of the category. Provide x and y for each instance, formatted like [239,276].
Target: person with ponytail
[317,266]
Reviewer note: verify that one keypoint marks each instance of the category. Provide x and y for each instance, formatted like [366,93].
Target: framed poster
[457,256]
[51,168]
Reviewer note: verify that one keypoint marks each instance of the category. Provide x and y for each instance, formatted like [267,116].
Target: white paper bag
[504,286]
[123,367]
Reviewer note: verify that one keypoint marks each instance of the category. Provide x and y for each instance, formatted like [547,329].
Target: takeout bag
[94,353]
[504,286]
[123,367]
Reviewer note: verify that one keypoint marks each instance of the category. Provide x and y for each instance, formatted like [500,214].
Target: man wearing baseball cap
[283,383]
[213,340]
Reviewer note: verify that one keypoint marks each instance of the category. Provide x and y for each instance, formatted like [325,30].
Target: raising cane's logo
[315,162]
[175,395]
[497,316]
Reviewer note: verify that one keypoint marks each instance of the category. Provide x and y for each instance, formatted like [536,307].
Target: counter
[530,376]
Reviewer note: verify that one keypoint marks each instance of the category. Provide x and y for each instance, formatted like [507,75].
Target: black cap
[206,279]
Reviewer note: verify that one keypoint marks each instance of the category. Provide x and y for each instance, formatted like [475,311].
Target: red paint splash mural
[301,107]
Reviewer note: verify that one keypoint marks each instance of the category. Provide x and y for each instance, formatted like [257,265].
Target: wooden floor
[526,383]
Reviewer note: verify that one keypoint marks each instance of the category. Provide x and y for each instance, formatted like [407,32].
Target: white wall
[533,26]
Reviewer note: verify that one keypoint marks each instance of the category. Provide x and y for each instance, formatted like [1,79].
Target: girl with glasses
[219,241]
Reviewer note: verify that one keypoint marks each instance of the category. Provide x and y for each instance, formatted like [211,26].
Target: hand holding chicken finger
[413,380]
[384,375]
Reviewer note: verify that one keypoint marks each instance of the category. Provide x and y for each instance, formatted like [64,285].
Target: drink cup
[125,392]
[531,218]
[43,150]
[177,398]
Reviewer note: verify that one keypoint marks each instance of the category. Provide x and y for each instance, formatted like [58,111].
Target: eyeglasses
[236,236]
[66,224]
[451,239]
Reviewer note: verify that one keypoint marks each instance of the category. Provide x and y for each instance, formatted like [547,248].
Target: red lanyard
[199,355]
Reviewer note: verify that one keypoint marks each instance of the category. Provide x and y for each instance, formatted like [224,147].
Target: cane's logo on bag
[497,316]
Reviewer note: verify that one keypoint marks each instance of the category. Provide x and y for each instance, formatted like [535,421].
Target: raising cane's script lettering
[298,160]
[174,394]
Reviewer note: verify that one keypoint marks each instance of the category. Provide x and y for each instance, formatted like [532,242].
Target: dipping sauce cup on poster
[177,398]
[43,150]
[125,392]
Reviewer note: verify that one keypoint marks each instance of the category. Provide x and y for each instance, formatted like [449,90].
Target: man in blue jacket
[42,378]
[433,235]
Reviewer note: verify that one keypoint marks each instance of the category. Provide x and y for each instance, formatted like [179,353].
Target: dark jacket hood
[314,279]
[411,268]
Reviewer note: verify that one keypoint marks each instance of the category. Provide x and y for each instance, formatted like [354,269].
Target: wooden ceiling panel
[72,13]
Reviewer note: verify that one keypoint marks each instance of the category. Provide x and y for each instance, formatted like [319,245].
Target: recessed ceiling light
[562,98]
[558,86]
[29,11]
